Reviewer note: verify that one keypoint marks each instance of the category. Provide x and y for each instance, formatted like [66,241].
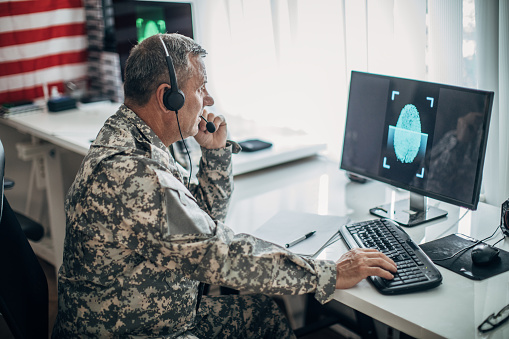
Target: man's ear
[163,88]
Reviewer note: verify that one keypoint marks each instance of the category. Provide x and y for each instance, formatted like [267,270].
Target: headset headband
[171,69]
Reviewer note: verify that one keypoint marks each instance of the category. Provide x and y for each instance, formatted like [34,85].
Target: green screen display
[137,20]
[149,21]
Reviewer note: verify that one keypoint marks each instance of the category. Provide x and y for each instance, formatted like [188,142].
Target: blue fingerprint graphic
[407,134]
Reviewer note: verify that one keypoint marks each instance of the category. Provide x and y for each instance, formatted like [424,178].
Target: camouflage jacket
[138,242]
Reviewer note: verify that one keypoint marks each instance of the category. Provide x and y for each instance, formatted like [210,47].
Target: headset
[174,99]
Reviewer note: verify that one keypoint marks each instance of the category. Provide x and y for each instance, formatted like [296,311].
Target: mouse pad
[462,263]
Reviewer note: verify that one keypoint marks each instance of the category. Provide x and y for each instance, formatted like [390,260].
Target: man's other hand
[212,140]
[360,263]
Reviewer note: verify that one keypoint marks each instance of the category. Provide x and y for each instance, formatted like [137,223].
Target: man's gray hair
[146,66]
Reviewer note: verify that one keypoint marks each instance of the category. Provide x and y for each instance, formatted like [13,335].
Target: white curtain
[288,62]
[279,62]
[492,38]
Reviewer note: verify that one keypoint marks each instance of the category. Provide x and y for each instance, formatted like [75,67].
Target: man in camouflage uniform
[138,241]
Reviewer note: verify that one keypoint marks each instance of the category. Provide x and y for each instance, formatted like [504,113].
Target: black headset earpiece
[174,98]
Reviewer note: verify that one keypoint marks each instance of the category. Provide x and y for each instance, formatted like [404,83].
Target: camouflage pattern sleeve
[215,180]
[246,263]
[179,235]
[209,251]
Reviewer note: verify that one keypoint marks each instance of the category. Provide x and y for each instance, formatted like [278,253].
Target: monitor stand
[409,212]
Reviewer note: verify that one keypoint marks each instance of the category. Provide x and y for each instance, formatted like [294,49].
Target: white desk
[73,130]
[452,310]
[315,185]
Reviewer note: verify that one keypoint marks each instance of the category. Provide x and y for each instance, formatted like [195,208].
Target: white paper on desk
[287,226]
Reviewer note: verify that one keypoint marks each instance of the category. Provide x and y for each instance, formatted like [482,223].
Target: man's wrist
[231,147]
[219,159]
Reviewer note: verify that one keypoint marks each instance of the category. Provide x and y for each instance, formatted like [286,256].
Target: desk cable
[469,247]
[454,224]
[334,238]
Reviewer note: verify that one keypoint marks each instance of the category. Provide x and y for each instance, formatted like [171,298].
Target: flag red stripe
[30,65]
[36,35]
[18,71]
[37,6]
[28,93]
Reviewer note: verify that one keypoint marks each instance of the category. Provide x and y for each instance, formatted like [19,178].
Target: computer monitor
[427,138]
[136,20]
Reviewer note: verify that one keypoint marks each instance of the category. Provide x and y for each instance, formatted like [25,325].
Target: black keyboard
[416,272]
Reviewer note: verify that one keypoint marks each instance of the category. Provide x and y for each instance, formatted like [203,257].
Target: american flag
[41,42]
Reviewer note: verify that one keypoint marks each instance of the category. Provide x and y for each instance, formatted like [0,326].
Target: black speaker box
[61,104]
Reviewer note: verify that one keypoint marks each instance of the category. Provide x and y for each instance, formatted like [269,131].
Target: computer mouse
[483,254]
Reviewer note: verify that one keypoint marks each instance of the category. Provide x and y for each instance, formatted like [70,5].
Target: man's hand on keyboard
[359,263]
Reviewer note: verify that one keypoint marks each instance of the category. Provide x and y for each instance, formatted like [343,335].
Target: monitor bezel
[473,203]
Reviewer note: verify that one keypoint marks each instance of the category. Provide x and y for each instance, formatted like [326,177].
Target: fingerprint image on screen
[407,134]
[406,147]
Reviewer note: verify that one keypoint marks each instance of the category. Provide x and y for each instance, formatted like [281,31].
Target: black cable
[187,151]
[454,224]
[498,241]
[467,248]
[200,285]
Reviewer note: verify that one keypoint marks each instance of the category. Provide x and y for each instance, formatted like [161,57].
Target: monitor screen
[137,20]
[427,138]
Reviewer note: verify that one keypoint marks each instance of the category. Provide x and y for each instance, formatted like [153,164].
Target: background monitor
[427,138]
[136,20]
